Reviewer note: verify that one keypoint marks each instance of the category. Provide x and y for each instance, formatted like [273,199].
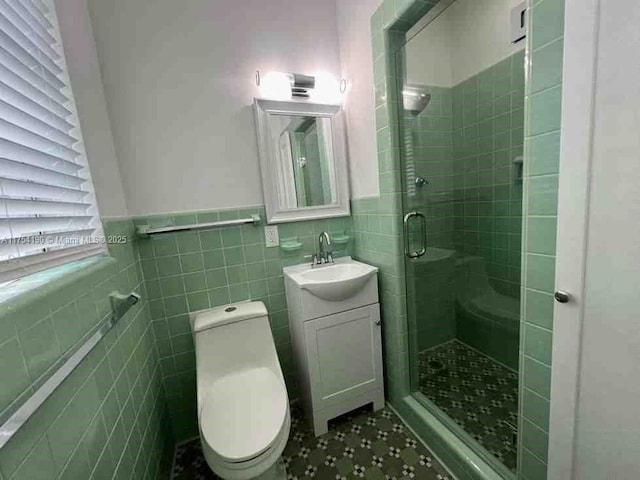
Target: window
[48,213]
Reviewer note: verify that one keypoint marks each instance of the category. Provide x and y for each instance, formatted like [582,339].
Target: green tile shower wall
[108,418]
[542,120]
[488,137]
[542,151]
[191,271]
[427,147]
[377,237]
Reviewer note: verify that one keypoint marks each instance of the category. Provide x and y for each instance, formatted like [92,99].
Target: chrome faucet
[324,255]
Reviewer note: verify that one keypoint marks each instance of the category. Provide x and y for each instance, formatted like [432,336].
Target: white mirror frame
[268,161]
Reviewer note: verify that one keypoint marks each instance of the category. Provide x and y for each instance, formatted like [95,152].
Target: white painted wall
[429,54]
[84,71]
[474,34]
[354,31]
[179,83]
[608,418]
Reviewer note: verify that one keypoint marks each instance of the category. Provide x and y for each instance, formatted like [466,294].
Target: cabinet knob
[378,322]
[562,297]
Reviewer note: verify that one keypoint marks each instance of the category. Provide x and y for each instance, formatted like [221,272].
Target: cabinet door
[345,355]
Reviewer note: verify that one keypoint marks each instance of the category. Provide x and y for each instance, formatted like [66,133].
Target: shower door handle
[407,247]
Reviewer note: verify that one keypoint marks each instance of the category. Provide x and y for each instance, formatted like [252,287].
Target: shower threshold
[476,392]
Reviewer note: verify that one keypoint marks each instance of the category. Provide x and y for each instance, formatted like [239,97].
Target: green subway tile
[544,111]
[252,234]
[198,301]
[39,463]
[231,237]
[210,239]
[233,256]
[541,235]
[95,437]
[105,466]
[548,21]
[518,70]
[175,305]
[537,377]
[544,154]
[239,292]
[543,195]
[536,409]
[213,259]
[39,347]
[182,343]
[172,286]
[275,285]
[15,377]
[67,326]
[546,70]
[194,282]
[258,289]
[192,262]
[532,468]
[228,215]
[188,242]
[538,343]
[237,274]
[539,308]
[540,272]
[273,268]
[77,467]
[219,296]
[254,253]
[180,325]
[164,245]
[149,268]
[207,217]
[168,266]
[216,278]
[153,289]
[185,219]
[256,271]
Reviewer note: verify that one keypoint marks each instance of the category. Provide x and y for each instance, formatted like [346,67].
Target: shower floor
[478,393]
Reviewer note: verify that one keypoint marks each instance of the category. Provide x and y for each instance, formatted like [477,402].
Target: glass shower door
[461,147]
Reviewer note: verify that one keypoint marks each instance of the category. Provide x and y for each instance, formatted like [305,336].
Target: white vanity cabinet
[338,354]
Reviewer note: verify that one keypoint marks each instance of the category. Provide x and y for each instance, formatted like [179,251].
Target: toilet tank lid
[237,312]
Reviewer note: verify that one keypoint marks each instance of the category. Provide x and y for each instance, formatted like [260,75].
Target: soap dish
[290,244]
[340,239]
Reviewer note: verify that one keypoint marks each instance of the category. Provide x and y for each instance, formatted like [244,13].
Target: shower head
[415,98]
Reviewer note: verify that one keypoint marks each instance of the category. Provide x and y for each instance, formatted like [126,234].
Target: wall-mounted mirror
[302,160]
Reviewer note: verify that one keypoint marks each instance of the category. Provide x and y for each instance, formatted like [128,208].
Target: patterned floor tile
[362,444]
[478,393]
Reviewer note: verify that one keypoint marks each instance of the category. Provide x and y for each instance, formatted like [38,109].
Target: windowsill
[35,285]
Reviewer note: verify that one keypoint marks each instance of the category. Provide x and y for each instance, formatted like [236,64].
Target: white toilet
[243,407]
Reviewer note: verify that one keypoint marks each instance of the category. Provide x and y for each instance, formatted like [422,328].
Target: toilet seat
[243,414]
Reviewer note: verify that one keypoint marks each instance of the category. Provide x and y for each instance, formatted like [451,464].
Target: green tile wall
[191,271]
[541,125]
[376,233]
[542,151]
[488,135]
[108,418]
[426,146]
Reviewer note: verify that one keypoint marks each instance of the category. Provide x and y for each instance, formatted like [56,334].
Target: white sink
[334,282]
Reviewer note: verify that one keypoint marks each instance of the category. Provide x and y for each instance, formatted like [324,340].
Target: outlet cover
[271,235]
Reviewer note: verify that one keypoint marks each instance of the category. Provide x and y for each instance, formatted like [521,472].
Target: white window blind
[48,213]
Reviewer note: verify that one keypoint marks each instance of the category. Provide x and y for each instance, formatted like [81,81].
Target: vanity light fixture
[322,87]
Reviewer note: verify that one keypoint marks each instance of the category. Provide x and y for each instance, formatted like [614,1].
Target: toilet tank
[231,339]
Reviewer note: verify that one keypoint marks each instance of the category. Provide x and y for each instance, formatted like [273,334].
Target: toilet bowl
[243,407]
